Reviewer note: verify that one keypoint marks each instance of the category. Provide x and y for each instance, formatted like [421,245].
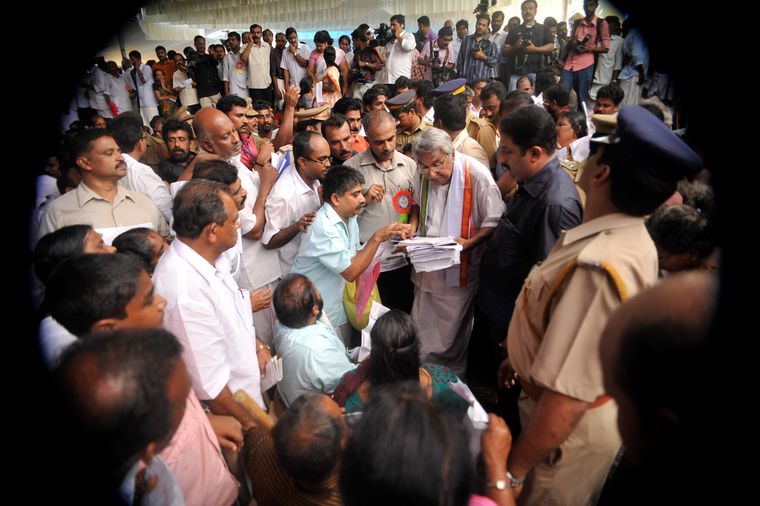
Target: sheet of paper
[376,311]
[111,233]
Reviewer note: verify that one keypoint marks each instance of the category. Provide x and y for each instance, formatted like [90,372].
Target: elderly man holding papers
[458,198]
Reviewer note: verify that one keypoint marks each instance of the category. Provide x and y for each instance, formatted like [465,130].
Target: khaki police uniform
[404,138]
[487,136]
[553,343]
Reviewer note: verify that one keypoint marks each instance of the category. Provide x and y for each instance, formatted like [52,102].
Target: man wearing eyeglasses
[458,198]
[389,183]
[293,202]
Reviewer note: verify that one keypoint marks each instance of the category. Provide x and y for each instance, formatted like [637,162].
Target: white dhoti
[631,92]
[443,317]
[263,321]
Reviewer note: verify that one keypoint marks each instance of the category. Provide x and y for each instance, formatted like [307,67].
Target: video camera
[482,7]
[384,34]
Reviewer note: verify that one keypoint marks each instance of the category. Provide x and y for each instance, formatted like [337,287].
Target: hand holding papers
[432,253]
[273,374]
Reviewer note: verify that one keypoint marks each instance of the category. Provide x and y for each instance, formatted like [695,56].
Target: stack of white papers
[432,253]
[273,374]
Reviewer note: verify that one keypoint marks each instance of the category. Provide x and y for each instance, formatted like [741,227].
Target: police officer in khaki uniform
[569,437]
[487,135]
[403,108]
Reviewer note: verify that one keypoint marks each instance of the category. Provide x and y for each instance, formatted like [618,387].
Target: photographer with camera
[367,61]
[439,58]
[398,50]
[590,37]
[477,56]
[525,45]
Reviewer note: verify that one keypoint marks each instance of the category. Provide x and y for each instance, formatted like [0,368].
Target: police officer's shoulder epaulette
[599,254]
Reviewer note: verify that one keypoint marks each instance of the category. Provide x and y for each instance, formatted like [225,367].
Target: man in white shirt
[235,70]
[100,90]
[118,88]
[131,138]
[295,58]
[497,36]
[144,84]
[462,28]
[205,309]
[218,134]
[398,59]
[183,84]
[294,201]
[257,54]
[95,293]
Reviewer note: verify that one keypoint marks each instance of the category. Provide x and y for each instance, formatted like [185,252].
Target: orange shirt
[360,144]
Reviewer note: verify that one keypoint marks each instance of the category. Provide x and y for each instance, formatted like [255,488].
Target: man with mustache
[99,199]
[337,133]
[261,113]
[352,108]
[178,137]
[330,253]
[260,268]
[295,198]
[389,183]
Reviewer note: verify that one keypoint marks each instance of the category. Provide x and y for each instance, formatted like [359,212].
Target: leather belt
[534,392]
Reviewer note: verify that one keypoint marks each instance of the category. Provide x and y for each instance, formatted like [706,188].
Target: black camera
[436,58]
[484,45]
[482,7]
[526,37]
[580,45]
[384,34]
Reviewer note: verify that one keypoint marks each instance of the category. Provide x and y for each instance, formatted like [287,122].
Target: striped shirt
[471,68]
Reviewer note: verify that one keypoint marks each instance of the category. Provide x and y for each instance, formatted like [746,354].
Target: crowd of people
[209,211]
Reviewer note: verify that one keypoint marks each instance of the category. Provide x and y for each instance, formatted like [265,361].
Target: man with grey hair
[390,179]
[205,309]
[459,198]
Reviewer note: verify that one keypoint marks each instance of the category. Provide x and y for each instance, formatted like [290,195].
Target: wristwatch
[498,485]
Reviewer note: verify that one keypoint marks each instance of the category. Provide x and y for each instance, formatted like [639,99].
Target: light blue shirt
[314,359]
[636,48]
[325,252]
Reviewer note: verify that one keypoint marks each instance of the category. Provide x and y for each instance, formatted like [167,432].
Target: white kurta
[443,314]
